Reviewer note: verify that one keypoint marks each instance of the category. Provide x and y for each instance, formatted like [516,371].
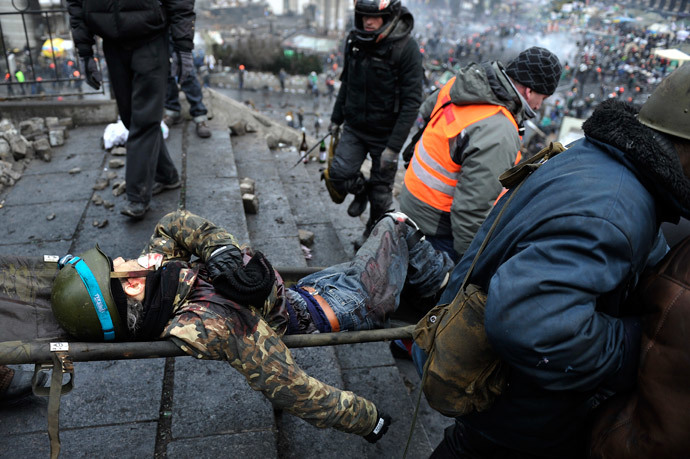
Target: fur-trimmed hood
[649,152]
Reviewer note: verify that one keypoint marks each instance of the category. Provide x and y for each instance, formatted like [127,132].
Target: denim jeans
[365,291]
[192,90]
[445,244]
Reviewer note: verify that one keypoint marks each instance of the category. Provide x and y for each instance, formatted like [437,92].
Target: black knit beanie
[537,68]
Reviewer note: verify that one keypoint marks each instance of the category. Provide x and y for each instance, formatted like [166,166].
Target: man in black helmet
[378,100]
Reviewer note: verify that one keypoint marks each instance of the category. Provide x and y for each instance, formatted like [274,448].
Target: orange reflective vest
[432,174]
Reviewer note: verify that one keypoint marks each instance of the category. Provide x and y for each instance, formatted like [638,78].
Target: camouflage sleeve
[266,362]
[181,234]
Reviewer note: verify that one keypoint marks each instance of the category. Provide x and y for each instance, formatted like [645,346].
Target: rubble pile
[32,138]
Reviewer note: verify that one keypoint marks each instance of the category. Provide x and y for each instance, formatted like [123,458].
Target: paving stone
[207,158]
[364,355]
[81,150]
[36,248]
[382,385]
[248,444]
[54,187]
[211,398]
[122,441]
[220,202]
[281,251]
[113,392]
[18,224]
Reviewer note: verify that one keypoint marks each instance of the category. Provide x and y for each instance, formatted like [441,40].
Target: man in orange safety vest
[473,134]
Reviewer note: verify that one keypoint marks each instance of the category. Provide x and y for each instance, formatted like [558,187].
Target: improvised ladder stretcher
[29,334]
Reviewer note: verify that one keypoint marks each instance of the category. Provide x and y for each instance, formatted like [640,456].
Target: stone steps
[299,200]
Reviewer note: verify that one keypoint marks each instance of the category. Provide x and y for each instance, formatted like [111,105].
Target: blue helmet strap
[97,297]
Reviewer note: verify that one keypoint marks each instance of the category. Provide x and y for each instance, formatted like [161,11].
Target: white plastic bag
[115,134]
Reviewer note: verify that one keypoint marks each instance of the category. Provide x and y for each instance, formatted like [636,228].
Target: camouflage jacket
[209,326]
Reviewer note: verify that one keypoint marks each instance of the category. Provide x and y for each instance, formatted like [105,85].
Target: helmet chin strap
[389,28]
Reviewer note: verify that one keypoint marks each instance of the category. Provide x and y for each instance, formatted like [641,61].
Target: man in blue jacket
[564,256]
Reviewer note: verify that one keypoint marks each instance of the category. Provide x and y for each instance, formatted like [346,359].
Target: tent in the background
[672,55]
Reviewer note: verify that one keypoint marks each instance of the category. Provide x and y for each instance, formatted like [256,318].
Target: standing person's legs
[192,90]
[172,99]
[380,182]
[147,155]
[344,171]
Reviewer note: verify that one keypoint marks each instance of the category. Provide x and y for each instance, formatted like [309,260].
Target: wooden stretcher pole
[19,352]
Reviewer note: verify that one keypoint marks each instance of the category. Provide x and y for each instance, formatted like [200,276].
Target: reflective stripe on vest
[432,174]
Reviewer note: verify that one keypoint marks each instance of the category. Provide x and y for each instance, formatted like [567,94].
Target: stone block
[67,122]
[272,141]
[42,149]
[118,151]
[5,151]
[32,127]
[306,237]
[247,185]
[56,137]
[52,122]
[21,148]
[251,203]
[116,163]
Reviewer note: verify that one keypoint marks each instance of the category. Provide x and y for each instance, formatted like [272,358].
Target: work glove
[92,74]
[332,127]
[380,428]
[226,258]
[181,65]
[388,162]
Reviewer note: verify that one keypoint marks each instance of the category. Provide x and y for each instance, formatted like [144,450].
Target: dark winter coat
[130,22]
[566,253]
[380,93]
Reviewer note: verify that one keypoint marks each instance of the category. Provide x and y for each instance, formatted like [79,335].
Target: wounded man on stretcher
[230,304]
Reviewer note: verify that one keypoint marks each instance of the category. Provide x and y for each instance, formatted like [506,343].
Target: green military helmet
[83,301]
[668,108]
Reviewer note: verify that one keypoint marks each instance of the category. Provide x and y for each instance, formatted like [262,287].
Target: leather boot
[358,204]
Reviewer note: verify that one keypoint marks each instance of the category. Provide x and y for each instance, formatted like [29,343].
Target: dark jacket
[380,92]
[566,253]
[130,22]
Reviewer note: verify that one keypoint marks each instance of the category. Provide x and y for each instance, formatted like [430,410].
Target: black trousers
[351,152]
[139,76]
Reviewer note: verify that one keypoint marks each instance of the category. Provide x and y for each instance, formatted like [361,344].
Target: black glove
[389,161]
[382,422]
[247,285]
[91,73]
[181,65]
[226,258]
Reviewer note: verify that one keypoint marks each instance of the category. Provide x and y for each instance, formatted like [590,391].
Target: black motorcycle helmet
[388,9]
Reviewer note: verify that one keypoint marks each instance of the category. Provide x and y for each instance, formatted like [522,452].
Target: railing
[38,58]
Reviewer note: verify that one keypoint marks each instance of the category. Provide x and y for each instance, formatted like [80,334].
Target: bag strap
[511,177]
[516,175]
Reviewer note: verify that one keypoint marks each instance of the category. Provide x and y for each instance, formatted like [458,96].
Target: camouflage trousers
[364,292]
[267,364]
